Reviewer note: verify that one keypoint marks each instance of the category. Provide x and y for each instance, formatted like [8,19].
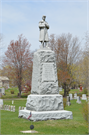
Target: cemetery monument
[70,95]
[78,100]
[44,102]
[75,95]
[84,97]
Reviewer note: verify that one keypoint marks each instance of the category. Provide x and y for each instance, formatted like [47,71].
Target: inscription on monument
[48,72]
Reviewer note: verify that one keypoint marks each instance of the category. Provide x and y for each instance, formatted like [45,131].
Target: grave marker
[70,95]
[84,97]
[1,101]
[68,101]
[75,96]
[78,100]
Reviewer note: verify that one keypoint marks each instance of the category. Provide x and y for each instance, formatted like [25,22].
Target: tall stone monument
[44,102]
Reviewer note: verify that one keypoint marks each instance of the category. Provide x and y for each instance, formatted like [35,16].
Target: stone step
[45,115]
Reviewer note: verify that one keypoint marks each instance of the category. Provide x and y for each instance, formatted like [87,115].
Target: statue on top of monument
[43,26]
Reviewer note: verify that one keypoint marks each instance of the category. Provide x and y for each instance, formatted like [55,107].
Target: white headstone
[60,88]
[2,91]
[70,95]
[75,96]
[84,97]
[13,108]
[12,101]
[1,107]
[1,101]
[78,100]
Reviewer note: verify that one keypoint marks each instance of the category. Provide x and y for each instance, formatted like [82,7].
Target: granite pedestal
[45,102]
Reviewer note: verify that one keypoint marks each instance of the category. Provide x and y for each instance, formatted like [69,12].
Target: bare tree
[67,51]
[18,58]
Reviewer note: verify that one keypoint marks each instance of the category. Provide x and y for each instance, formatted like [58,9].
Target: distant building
[4,81]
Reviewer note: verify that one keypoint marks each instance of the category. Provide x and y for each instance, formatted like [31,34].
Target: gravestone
[45,102]
[84,97]
[1,101]
[60,89]
[2,91]
[68,101]
[70,95]
[12,101]
[13,108]
[75,96]
[78,100]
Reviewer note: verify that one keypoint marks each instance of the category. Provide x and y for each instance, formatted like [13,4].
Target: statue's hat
[43,16]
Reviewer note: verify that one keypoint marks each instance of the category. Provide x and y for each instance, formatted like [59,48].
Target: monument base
[45,115]
[44,102]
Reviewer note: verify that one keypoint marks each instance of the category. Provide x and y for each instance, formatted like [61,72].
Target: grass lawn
[8,94]
[11,124]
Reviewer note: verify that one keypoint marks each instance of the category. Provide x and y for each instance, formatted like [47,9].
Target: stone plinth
[44,77]
[44,102]
[46,115]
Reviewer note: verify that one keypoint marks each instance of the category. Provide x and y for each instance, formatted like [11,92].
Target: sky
[22,17]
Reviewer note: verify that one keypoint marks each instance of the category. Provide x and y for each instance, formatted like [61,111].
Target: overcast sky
[22,17]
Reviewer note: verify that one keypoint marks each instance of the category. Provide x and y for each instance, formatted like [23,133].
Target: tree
[1,37]
[18,57]
[67,51]
[83,65]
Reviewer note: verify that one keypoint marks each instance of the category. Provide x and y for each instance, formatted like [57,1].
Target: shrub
[12,91]
[64,102]
[85,111]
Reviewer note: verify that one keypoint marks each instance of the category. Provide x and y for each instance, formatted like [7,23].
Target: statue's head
[43,17]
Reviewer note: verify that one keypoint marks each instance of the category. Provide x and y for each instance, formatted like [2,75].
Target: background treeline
[72,62]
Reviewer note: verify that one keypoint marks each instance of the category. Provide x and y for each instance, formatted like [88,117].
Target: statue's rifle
[44,37]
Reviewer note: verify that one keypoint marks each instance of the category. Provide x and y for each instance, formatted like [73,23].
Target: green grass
[11,124]
[8,94]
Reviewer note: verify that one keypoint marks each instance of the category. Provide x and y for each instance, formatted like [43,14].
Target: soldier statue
[43,38]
